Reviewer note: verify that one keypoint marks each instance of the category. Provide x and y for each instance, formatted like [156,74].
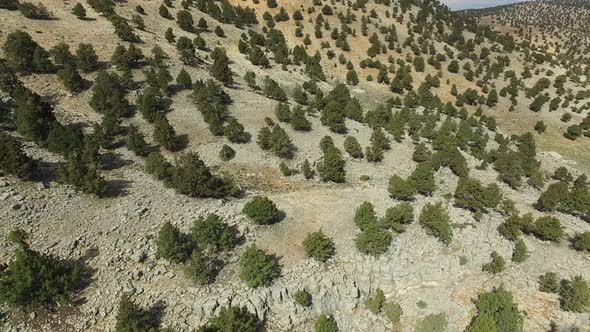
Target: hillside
[288,166]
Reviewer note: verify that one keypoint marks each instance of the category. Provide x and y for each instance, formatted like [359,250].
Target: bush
[232,319]
[234,131]
[333,117]
[190,176]
[373,241]
[211,234]
[375,303]
[157,165]
[364,216]
[33,279]
[318,246]
[435,220]
[273,90]
[574,295]
[581,241]
[306,169]
[35,12]
[174,245]
[421,153]
[398,217]
[331,166]
[520,253]
[353,148]
[303,298]
[401,189]
[432,323]
[184,80]
[261,211]
[86,58]
[131,317]
[19,49]
[325,324]
[226,153]
[298,120]
[498,305]
[472,195]
[185,20]
[257,268]
[556,195]
[83,176]
[422,179]
[136,142]
[13,160]
[392,311]
[549,283]
[547,228]
[283,112]
[200,268]
[497,265]
[165,134]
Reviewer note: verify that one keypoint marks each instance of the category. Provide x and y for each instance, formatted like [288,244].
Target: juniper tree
[318,246]
[86,58]
[436,221]
[220,68]
[257,268]
[165,134]
[79,11]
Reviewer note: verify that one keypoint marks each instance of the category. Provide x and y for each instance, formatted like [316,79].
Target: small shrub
[257,268]
[318,246]
[226,153]
[212,234]
[303,298]
[432,323]
[364,216]
[233,319]
[131,317]
[173,245]
[574,295]
[325,324]
[373,241]
[261,211]
[520,253]
[436,221]
[375,303]
[497,265]
[581,241]
[549,282]
[398,217]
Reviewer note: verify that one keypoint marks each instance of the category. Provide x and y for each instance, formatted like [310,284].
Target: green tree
[549,282]
[325,324]
[365,216]
[79,11]
[497,265]
[258,268]
[422,179]
[261,211]
[332,116]
[318,246]
[33,279]
[303,298]
[184,80]
[132,318]
[398,217]
[353,148]
[190,176]
[436,221]
[227,153]
[520,253]
[200,268]
[232,319]
[86,58]
[135,142]
[581,241]
[375,303]
[331,166]
[13,160]
[373,240]
[500,306]
[185,20]
[574,295]
[212,234]
[174,245]
[220,68]
[401,189]
[165,134]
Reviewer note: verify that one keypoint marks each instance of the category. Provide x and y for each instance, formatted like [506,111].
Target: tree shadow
[47,172]
[156,313]
[112,161]
[118,188]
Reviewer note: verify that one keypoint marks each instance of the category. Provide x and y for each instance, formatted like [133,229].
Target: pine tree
[184,80]
[220,68]
[79,11]
[165,134]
